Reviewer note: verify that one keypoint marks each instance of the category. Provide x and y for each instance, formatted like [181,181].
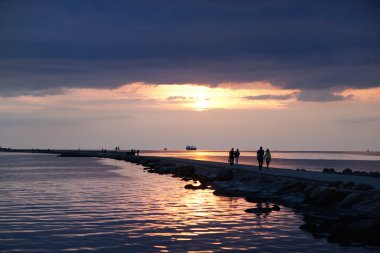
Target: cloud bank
[47,46]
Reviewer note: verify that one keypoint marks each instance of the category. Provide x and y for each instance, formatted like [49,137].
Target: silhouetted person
[268,157]
[231,157]
[137,152]
[237,154]
[260,157]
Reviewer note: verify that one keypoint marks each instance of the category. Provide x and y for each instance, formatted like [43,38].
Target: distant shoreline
[32,150]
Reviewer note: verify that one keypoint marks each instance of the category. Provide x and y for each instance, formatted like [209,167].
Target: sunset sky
[288,75]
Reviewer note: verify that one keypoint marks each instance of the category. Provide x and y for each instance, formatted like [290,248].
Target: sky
[154,74]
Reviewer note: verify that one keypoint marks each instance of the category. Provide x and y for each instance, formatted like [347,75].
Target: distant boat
[191,148]
[165,149]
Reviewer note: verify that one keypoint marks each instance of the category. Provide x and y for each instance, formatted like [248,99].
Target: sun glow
[201,102]
[201,105]
[202,98]
[195,97]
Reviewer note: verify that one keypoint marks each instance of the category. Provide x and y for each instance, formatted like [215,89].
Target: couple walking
[233,155]
[261,156]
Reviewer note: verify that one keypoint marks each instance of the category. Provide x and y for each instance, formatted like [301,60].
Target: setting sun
[201,105]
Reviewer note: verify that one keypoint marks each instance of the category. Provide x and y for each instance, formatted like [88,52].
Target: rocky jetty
[341,212]
[348,171]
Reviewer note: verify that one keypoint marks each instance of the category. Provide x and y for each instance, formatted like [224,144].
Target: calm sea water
[313,161]
[54,204]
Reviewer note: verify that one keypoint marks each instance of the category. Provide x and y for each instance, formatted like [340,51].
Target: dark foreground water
[54,204]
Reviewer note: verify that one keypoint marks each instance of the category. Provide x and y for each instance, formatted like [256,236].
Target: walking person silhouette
[268,157]
[231,157]
[237,154]
[260,157]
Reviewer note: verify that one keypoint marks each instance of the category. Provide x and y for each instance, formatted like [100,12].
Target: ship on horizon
[190,147]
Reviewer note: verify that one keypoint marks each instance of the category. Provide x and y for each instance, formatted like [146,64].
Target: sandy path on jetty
[310,175]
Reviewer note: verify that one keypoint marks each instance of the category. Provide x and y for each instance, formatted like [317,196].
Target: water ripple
[51,204]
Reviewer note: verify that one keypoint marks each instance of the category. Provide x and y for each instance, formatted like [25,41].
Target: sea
[71,204]
[307,160]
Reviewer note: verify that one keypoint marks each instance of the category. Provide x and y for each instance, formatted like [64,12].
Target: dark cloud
[270,97]
[177,98]
[321,96]
[293,44]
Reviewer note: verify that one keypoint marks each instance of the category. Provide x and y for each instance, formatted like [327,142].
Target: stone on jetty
[347,171]
[257,197]
[259,210]
[196,187]
[276,207]
[351,199]
[348,185]
[363,187]
[329,170]
[325,196]
[292,187]
[225,175]
[266,209]
[231,192]
[365,226]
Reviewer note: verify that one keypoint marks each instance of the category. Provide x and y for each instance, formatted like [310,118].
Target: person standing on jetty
[268,157]
[260,157]
[237,154]
[231,157]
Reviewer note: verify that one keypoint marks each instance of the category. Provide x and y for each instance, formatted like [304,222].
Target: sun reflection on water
[93,206]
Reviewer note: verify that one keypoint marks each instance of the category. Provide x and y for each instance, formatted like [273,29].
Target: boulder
[325,196]
[259,210]
[365,227]
[351,199]
[185,171]
[225,175]
[329,170]
[347,171]
[335,183]
[363,187]
[248,178]
[374,174]
[195,187]
[377,206]
[348,185]
[292,187]
[227,192]
[163,170]
[276,207]
[309,189]
[254,198]
[360,173]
